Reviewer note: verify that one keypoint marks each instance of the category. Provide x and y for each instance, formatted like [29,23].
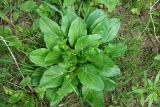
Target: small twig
[151,17]
[144,29]
[15,60]
[154,4]
[11,19]
[12,55]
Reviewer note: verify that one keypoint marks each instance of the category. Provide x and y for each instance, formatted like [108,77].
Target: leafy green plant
[151,89]
[77,57]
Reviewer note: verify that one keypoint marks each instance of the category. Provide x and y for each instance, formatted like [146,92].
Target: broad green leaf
[90,55]
[56,101]
[44,10]
[109,85]
[53,77]
[108,29]
[28,6]
[48,26]
[53,7]
[113,28]
[109,69]
[88,40]
[38,56]
[67,20]
[110,4]
[76,30]
[51,93]
[82,59]
[50,40]
[69,85]
[16,97]
[40,91]
[87,8]
[115,49]
[26,81]
[36,76]
[94,18]
[157,57]
[96,22]
[95,98]
[53,97]
[54,56]
[35,25]
[67,3]
[88,76]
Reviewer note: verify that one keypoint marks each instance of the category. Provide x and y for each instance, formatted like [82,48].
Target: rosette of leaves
[78,57]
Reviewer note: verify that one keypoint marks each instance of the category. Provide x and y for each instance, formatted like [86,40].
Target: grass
[137,63]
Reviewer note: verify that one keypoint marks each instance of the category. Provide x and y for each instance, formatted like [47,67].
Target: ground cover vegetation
[79,53]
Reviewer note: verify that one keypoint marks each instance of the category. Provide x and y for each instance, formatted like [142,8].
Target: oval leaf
[109,69]
[54,56]
[108,29]
[88,76]
[94,18]
[67,20]
[50,40]
[77,29]
[69,85]
[95,98]
[38,56]
[88,40]
[91,53]
[53,77]
[115,49]
[48,26]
